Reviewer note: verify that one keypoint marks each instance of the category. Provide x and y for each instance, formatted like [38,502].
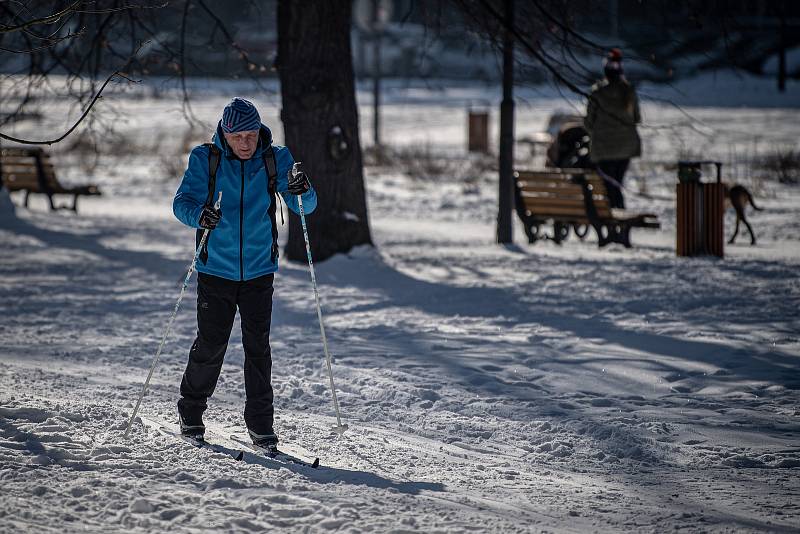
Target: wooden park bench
[577,199]
[30,170]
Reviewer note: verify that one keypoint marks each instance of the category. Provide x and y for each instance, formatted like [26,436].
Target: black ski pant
[614,169]
[217,301]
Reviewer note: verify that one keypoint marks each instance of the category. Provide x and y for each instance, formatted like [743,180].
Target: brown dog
[739,197]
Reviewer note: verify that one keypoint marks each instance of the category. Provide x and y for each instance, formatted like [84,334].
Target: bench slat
[543,208]
[7,166]
[535,175]
[551,195]
[20,177]
[25,170]
[559,173]
[554,190]
[26,176]
[544,177]
[536,203]
[21,161]
[553,187]
[548,184]
[17,184]
[558,213]
[18,170]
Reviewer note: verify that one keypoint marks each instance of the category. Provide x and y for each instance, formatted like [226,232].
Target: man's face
[243,144]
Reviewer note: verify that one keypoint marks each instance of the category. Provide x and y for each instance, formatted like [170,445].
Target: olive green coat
[611,118]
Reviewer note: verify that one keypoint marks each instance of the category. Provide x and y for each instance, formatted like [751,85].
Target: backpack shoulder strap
[272,169]
[214,156]
[272,185]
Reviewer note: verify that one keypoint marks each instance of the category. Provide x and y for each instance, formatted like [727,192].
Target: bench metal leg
[625,236]
[581,230]
[603,234]
[560,232]
[27,194]
[530,234]
[615,233]
[52,204]
[531,230]
[533,233]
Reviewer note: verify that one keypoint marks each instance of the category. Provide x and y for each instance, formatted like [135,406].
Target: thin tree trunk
[782,52]
[320,121]
[506,161]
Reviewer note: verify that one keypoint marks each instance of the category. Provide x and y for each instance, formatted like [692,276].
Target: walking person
[236,268]
[611,117]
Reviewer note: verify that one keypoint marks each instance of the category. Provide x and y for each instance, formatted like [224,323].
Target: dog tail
[750,199]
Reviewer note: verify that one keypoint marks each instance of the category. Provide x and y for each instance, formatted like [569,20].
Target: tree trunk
[320,121]
[505,225]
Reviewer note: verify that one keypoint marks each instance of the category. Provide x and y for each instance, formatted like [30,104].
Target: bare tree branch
[219,24]
[51,44]
[62,137]
[567,29]
[50,19]
[186,105]
[126,7]
[534,51]
[94,100]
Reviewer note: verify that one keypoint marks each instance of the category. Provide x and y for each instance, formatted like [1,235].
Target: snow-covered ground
[487,388]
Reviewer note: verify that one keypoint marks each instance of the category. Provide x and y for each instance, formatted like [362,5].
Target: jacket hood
[264,139]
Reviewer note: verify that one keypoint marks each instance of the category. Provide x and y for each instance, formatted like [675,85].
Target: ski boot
[192,429]
[267,441]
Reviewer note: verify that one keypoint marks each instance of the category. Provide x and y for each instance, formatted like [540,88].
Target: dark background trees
[88,43]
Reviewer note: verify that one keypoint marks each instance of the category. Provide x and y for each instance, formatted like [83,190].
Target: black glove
[298,184]
[209,218]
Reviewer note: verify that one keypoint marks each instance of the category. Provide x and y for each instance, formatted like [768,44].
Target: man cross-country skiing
[237,266]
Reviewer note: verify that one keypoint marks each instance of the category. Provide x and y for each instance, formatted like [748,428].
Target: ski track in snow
[507,389]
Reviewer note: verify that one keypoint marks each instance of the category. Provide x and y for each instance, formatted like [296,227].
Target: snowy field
[506,389]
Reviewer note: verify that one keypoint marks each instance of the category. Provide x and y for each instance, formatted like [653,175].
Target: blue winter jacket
[239,248]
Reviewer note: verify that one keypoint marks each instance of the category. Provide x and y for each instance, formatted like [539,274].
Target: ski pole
[203,240]
[339,428]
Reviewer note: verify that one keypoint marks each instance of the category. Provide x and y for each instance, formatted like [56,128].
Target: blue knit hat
[240,116]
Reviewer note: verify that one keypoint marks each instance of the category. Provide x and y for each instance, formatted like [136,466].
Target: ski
[200,443]
[276,454]
[261,452]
